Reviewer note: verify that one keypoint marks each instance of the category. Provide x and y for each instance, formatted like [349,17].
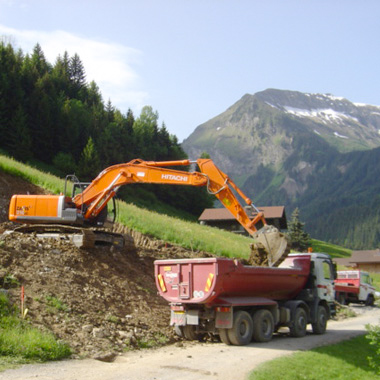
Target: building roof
[270,212]
[365,256]
[345,261]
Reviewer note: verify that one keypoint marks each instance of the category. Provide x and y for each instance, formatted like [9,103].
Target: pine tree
[146,131]
[94,97]
[77,76]
[300,239]
[39,62]
[20,142]
[205,155]
[110,111]
[89,164]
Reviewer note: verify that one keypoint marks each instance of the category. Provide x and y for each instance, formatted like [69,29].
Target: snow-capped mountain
[315,151]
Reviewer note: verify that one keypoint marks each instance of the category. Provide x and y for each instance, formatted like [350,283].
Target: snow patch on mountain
[365,105]
[340,136]
[325,114]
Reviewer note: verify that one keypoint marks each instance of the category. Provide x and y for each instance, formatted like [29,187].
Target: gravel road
[194,361]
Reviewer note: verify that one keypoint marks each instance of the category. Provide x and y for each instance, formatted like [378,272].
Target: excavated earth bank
[102,300]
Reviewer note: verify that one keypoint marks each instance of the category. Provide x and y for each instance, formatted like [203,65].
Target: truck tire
[189,332]
[370,300]
[223,334]
[241,332]
[319,326]
[263,326]
[298,326]
[179,331]
[342,299]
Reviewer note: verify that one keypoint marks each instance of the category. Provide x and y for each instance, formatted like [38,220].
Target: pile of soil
[100,300]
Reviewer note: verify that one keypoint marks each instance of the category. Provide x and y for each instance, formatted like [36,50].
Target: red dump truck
[240,303]
[354,286]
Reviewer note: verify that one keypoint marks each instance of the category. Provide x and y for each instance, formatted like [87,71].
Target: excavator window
[79,187]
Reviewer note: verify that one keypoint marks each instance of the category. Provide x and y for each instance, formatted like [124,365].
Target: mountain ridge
[287,147]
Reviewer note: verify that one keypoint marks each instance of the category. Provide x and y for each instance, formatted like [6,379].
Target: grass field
[21,343]
[332,249]
[186,234]
[48,181]
[346,361]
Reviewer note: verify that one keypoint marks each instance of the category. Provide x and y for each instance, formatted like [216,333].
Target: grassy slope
[46,180]
[338,361]
[332,249]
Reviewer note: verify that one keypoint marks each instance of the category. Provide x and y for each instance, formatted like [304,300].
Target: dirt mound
[98,300]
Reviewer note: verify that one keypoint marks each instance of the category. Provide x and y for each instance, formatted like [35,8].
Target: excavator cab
[108,214]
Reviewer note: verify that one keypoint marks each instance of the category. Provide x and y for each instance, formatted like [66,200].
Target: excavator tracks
[78,236]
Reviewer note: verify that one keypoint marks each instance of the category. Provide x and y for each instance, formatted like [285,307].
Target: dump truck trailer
[240,303]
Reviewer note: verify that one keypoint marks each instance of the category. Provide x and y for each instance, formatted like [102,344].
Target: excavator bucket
[270,247]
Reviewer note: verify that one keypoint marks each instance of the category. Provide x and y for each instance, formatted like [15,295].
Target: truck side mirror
[335,271]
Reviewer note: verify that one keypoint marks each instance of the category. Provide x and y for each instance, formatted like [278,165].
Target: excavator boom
[104,187]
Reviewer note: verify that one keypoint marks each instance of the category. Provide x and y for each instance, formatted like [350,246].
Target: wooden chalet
[222,218]
[364,260]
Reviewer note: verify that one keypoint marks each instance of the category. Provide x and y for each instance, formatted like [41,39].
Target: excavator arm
[87,206]
[96,196]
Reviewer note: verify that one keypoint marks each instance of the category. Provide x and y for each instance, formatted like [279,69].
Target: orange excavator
[89,206]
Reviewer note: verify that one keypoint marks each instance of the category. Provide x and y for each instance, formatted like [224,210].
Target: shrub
[374,338]
[5,307]
[64,162]
[18,338]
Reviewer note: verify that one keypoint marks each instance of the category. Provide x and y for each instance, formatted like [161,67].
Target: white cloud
[109,64]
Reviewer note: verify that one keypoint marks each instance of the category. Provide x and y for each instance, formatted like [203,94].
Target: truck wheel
[370,300]
[223,334]
[189,332]
[319,327]
[178,330]
[241,332]
[342,299]
[263,326]
[298,326]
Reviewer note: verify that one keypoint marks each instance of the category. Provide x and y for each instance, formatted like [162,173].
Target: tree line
[50,114]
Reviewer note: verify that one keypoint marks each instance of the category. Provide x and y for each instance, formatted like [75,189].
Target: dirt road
[194,360]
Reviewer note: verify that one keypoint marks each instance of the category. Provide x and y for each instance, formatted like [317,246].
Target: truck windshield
[327,273]
[366,279]
[348,275]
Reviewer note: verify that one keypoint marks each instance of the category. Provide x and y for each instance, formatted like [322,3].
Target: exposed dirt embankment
[98,300]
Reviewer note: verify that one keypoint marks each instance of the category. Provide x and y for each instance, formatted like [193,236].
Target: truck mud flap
[224,318]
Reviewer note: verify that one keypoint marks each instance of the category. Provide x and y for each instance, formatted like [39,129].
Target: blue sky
[192,59]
